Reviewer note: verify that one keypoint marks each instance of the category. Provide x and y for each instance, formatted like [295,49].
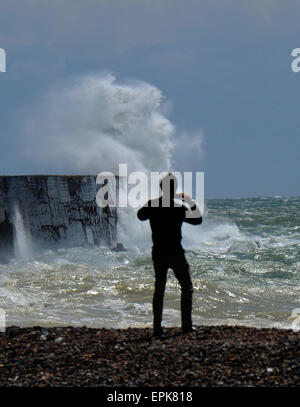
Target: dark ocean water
[245,265]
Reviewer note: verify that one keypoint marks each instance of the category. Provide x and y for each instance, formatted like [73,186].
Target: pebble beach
[213,356]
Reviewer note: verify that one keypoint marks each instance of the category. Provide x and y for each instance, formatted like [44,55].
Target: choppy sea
[245,266]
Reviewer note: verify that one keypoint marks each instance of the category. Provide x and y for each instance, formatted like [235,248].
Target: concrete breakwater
[52,211]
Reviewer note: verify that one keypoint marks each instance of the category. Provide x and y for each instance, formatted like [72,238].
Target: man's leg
[181,270]
[161,270]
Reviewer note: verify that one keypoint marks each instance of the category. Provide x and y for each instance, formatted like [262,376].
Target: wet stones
[213,356]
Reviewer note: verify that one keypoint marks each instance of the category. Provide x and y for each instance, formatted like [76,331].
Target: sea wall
[57,211]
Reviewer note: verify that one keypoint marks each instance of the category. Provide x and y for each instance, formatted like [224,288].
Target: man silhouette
[166,216]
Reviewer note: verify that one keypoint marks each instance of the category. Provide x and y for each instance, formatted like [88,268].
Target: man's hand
[193,215]
[188,199]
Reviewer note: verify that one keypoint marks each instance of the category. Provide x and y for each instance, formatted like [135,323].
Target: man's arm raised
[193,215]
[143,212]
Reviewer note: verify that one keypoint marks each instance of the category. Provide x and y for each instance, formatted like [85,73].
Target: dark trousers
[181,269]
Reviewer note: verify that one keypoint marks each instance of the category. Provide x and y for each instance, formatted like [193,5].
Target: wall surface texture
[57,211]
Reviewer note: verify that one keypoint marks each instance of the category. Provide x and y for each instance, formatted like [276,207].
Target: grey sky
[223,66]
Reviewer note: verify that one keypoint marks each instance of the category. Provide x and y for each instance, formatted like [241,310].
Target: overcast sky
[223,66]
